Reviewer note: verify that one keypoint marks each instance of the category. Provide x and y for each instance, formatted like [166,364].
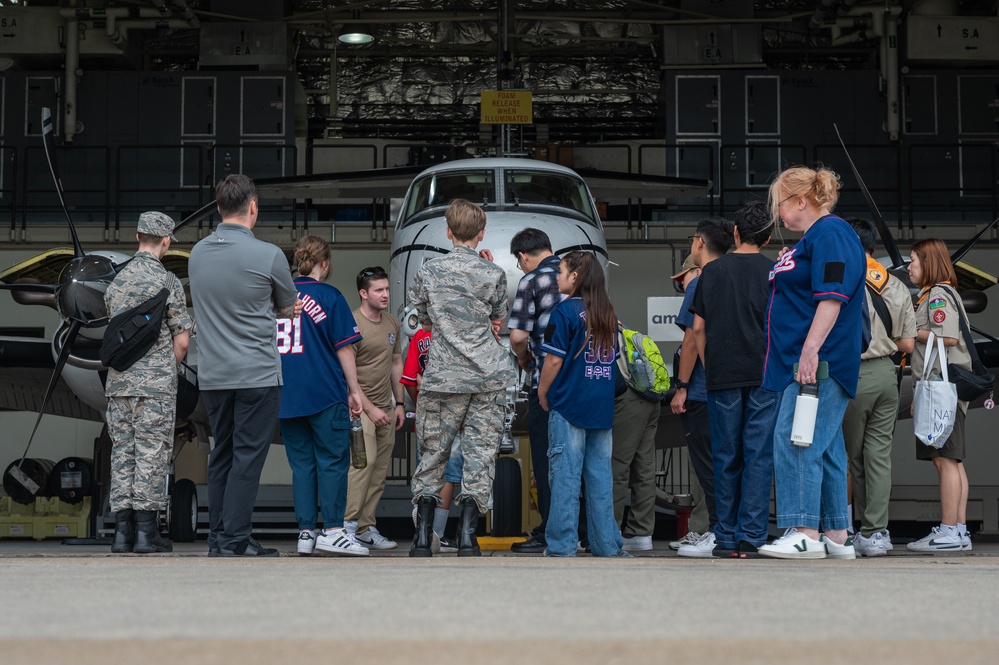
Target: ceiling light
[356,33]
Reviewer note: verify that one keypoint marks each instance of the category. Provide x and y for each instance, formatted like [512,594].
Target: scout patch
[391,339]
[938,303]
[939,317]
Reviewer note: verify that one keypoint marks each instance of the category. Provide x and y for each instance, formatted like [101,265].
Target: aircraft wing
[25,369]
[612,185]
[369,184]
[971,278]
[44,267]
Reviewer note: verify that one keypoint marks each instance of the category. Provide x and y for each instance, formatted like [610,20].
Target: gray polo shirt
[238,284]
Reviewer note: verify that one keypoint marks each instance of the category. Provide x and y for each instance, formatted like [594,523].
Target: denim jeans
[811,480]
[318,449]
[742,450]
[573,454]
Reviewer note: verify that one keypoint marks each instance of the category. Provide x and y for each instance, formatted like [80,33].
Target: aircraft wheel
[506,498]
[184,511]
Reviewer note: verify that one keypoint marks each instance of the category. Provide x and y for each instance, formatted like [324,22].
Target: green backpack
[642,366]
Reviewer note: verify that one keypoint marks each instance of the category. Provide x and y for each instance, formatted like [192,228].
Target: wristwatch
[677,383]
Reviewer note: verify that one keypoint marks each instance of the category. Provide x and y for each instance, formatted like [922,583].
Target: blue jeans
[574,454]
[811,480]
[452,472]
[318,449]
[742,450]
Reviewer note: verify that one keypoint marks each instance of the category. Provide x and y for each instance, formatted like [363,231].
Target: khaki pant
[868,429]
[366,486]
[634,462]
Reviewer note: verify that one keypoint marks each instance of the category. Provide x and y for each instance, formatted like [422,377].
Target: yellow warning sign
[506,107]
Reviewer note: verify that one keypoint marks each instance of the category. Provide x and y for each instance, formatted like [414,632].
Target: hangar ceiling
[594,66]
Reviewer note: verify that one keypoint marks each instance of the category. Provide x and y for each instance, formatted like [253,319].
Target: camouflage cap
[156,224]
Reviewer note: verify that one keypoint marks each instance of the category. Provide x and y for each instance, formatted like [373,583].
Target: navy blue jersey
[313,378]
[827,263]
[583,390]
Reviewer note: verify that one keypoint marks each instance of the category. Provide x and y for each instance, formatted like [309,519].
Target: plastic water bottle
[358,457]
[639,372]
[806,407]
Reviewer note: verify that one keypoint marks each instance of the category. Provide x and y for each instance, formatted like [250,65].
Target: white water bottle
[806,407]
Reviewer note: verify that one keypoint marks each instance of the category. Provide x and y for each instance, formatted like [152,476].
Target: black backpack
[131,333]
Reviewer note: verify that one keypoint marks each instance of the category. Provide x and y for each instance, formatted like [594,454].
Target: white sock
[311,532]
[949,530]
[440,520]
[330,531]
[962,529]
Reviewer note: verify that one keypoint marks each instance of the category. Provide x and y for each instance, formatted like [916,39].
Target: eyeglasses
[370,272]
[691,238]
[783,201]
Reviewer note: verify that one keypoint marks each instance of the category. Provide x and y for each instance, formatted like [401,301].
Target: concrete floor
[81,605]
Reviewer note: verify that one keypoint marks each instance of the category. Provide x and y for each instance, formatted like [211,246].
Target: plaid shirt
[537,295]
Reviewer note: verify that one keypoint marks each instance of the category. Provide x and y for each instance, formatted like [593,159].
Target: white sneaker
[689,539]
[306,543]
[837,551]
[340,541]
[637,544]
[794,545]
[888,545]
[350,527]
[966,542]
[937,542]
[873,545]
[701,549]
[375,541]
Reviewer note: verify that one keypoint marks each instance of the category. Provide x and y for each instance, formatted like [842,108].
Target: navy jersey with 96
[313,378]
[583,390]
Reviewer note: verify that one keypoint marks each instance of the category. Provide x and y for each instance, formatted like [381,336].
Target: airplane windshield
[440,188]
[546,188]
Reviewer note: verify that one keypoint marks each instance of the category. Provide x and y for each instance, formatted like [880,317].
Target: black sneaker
[249,547]
[448,545]
[724,552]
[747,550]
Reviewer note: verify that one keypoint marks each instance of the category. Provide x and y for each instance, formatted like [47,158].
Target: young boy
[462,298]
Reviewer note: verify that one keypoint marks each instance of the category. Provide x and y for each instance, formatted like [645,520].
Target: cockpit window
[554,189]
[439,189]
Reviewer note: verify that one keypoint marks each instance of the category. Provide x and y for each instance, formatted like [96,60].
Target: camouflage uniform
[142,399]
[467,373]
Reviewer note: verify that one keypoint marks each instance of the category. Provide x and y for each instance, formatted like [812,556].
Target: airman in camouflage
[462,298]
[142,399]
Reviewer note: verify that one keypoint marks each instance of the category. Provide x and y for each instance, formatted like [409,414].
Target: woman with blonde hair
[939,310]
[813,332]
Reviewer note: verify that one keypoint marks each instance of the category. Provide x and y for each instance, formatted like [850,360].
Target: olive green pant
[868,429]
[634,462]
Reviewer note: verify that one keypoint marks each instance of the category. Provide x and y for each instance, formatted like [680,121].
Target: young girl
[577,389]
[940,312]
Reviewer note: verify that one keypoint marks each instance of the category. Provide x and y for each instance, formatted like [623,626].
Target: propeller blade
[966,247]
[201,213]
[47,130]
[879,221]
[30,288]
[74,328]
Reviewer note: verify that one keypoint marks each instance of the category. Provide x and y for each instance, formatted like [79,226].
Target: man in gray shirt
[240,286]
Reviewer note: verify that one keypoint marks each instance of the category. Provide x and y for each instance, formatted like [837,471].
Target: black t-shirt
[732,300]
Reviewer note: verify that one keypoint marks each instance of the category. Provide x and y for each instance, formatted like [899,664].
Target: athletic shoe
[637,544]
[447,545]
[306,543]
[375,541]
[340,541]
[966,542]
[794,545]
[837,551]
[689,539]
[350,526]
[888,545]
[937,542]
[746,550]
[873,545]
[702,549]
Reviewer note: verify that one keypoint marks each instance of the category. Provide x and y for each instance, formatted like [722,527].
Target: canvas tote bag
[934,401]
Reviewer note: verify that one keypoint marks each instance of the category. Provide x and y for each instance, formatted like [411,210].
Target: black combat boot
[147,534]
[124,531]
[468,521]
[423,538]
